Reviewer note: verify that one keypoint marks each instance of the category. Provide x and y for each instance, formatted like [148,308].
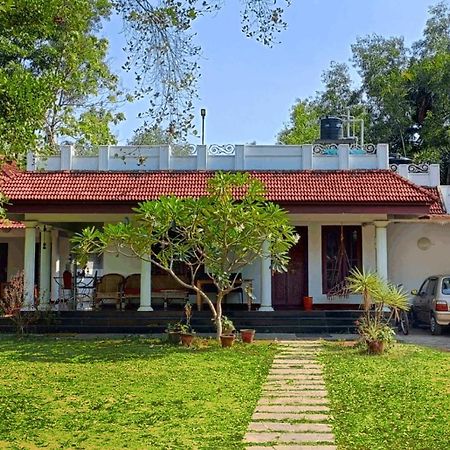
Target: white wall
[407,263]
[15,253]
[120,264]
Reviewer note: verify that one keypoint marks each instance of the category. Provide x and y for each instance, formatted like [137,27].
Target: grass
[400,400]
[134,394]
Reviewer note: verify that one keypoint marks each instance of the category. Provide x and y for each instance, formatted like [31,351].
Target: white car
[431,303]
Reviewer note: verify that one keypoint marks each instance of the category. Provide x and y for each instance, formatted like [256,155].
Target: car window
[446,286]
[424,287]
[431,290]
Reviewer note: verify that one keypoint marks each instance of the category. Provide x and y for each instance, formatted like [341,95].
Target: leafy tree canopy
[55,84]
[403,95]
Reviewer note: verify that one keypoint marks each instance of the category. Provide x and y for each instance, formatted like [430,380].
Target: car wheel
[435,328]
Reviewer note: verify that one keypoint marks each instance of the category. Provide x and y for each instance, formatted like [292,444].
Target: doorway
[289,288]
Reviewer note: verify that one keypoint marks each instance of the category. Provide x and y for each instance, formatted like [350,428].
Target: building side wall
[410,265]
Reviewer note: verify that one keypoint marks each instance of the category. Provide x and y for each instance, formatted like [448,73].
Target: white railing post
[307,157]
[343,155]
[103,157]
[66,157]
[164,157]
[383,156]
[239,157]
[202,157]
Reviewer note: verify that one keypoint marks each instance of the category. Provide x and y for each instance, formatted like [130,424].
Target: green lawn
[399,401]
[113,394]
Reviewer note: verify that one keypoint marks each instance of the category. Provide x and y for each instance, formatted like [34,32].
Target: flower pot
[186,339]
[375,347]
[173,337]
[227,340]
[247,336]
[308,303]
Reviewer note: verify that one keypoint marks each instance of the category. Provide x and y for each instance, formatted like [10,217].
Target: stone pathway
[293,412]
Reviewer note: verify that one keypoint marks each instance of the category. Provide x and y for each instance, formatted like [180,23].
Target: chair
[108,290]
[131,288]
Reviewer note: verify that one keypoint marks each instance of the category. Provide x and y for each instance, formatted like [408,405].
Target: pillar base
[145,308]
[28,308]
[44,307]
[265,308]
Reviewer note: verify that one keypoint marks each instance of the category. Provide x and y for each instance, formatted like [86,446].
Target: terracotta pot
[186,339]
[173,337]
[247,336]
[227,340]
[375,347]
[308,303]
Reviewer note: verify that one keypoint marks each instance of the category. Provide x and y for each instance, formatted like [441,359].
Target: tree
[403,96]
[303,127]
[164,57]
[55,84]
[222,232]
[151,136]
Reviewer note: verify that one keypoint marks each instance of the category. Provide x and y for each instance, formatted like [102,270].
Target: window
[432,286]
[341,251]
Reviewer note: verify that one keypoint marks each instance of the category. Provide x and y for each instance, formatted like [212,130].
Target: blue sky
[248,89]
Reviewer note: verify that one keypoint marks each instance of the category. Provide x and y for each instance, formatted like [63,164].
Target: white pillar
[266,281]
[381,245]
[146,286]
[29,265]
[56,265]
[45,267]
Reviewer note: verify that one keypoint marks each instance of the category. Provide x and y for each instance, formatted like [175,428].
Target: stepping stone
[296,362]
[294,371]
[288,437]
[298,384]
[302,376]
[289,393]
[293,447]
[291,427]
[292,408]
[290,416]
[292,401]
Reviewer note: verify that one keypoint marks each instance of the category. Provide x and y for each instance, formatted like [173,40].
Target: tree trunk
[219,314]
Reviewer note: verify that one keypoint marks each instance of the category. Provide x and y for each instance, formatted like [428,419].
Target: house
[348,204]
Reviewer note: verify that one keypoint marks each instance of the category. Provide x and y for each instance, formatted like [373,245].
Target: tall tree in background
[403,96]
[55,84]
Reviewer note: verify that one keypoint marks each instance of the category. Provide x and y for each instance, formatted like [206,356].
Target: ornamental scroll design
[418,168]
[221,150]
[394,167]
[366,149]
[325,150]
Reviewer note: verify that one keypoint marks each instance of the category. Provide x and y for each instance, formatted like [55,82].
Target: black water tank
[331,128]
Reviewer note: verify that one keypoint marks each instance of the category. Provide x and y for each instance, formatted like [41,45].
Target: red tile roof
[350,186]
[437,208]
[10,225]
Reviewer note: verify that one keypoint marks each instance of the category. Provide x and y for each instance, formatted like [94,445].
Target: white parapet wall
[217,157]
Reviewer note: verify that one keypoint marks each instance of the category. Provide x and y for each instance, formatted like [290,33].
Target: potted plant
[378,295]
[247,335]
[173,332]
[376,335]
[186,334]
[227,337]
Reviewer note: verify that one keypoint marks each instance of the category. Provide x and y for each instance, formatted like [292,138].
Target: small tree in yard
[11,303]
[222,232]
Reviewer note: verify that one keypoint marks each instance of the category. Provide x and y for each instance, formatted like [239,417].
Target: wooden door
[289,288]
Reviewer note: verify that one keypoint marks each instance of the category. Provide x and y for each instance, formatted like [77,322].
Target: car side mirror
[414,292]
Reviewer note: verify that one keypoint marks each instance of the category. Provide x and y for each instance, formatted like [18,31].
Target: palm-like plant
[377,294]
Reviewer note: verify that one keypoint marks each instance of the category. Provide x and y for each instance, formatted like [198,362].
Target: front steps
[134,322]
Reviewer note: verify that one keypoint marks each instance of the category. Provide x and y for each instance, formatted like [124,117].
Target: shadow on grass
[66,350]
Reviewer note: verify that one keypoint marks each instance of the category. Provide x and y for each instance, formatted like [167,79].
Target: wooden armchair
[131,289]
[109,290]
